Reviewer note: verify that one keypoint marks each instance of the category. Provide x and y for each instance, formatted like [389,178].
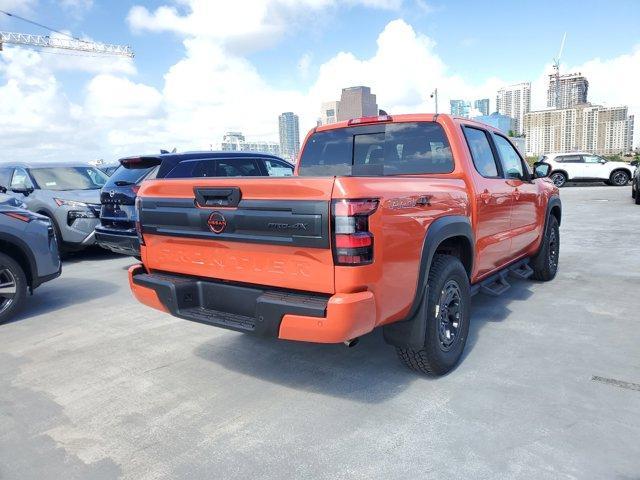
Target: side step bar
[497,283]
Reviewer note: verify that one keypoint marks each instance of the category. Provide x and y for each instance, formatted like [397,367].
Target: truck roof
[408,117]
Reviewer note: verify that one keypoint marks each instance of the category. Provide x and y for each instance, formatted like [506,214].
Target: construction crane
[63,42]
[556,71]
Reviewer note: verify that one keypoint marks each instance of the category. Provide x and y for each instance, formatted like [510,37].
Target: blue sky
[202,67]
[510,40]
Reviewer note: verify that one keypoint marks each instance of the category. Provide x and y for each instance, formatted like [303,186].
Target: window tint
[275,168]
[5,176]
[241,167]
[591,159]
[511,162]
[128,176]
[381,149]
[210,167]
[481,152]
[570,159]
[21,179]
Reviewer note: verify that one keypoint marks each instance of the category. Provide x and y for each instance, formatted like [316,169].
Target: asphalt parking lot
[94,385]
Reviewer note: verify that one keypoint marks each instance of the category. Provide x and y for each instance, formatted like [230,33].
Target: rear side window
[216,167]
[569,159]
[380,149]
[128,176]
[481,152]
[275,168]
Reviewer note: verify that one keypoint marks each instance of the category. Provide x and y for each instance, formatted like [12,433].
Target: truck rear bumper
[247,308]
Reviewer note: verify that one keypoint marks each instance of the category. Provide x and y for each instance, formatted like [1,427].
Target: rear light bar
[375,119]
[352,240]
[138,208]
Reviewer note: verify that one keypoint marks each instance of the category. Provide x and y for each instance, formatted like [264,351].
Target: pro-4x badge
[217,223]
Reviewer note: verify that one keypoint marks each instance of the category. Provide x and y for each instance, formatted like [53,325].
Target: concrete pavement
[94,385]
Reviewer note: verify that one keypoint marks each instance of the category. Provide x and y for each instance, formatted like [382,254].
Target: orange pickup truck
[391,222]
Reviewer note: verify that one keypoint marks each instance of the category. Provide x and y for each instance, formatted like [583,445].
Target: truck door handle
[485,196]
[217,197]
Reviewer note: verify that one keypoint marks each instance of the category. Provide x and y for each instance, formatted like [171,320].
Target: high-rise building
[497,120]
[591,128]
[570,90]
[289,136]
[235,142]
[357,102]
[515,101]
[329,113]
[482,105]
[460,108]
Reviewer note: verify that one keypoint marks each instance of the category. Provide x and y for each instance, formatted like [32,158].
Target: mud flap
[409,333]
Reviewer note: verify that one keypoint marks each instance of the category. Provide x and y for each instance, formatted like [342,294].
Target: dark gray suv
[28,254]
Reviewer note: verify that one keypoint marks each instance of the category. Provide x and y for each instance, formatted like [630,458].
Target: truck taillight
[138,216]
[352,240]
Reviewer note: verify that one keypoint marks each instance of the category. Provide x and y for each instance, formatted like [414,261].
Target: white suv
[582,166]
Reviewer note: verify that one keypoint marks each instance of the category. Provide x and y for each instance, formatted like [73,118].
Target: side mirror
[3,189]
[602,160]
[541,170]
[634,163]
[26,191]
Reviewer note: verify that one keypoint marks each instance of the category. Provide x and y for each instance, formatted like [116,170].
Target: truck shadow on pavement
[367,373]
[486,310]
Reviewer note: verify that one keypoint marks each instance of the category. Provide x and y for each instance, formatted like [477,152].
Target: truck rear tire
[13,287]
[545,262]
[447,323]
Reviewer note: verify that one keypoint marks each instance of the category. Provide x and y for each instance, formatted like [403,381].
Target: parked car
[635,182]
[582,166]
[389,222]
[67,193]
[28,254]
[117,232]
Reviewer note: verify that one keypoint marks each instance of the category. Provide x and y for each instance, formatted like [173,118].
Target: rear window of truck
[379,149]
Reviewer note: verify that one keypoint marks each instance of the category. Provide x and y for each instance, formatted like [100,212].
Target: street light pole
[435,96]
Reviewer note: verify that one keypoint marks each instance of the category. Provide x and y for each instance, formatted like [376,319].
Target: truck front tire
[447,323]
[545,262]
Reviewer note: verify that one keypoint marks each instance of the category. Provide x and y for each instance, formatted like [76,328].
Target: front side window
[69,178]
[378,149]
[481,152]
[511,162]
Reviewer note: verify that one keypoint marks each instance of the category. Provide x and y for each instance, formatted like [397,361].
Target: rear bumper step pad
[232,306]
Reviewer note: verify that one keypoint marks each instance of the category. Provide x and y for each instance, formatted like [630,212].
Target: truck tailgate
[262,231]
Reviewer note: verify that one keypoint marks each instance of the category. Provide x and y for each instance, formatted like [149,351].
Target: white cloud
[116,97]
[243,25]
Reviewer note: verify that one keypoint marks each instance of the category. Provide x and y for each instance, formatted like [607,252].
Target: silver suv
[67,193]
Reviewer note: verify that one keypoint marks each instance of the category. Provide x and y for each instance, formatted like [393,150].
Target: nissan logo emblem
[217,223]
